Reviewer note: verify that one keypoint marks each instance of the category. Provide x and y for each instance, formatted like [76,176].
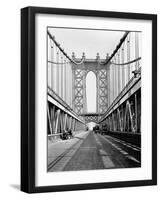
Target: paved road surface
[94,151]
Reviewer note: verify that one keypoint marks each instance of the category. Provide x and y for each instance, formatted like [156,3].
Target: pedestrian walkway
[56,149]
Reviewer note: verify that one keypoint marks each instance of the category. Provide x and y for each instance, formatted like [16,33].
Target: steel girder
[58,121]
[79,85]
[127,117]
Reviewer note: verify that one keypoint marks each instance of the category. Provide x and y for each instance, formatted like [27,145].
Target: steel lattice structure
[79,84]
[118,87]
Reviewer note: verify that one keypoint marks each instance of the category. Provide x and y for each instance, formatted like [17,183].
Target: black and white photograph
[93,99]
[89,99]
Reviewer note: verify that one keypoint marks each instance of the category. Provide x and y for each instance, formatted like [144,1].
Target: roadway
[87,151]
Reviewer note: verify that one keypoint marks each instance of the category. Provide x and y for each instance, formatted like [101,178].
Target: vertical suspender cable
[65,79]
[115,82]
[119,72]
[128,57]
[61,81]
[136,50]
[57,70]
[52,65]
[123,70]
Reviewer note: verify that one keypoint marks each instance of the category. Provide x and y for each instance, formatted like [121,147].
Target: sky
[89,41]
[91,92]
[91,125]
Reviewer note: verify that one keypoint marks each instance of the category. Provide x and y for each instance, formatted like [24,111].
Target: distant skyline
[89,41]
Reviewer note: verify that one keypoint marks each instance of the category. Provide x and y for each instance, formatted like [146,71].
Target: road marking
[107,162]
[97,140]
[132,158]
[102,152]
[126,144]
[135,149]
[87,147]
[122,151]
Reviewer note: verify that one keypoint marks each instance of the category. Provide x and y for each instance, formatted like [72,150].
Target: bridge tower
[79,73]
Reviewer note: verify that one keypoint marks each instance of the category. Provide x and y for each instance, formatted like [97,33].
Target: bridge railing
[124,86]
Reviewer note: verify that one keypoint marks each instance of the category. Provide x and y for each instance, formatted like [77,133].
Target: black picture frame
[28,90]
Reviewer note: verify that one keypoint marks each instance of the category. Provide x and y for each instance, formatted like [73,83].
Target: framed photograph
[88,99]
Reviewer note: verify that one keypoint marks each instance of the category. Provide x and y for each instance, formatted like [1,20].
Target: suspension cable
[132,61]
[62,50]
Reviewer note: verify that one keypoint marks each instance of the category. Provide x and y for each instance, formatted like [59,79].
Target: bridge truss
[118,79]
[80,72]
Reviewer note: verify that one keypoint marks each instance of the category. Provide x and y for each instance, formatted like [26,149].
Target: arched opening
[91,92]
[91,125]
